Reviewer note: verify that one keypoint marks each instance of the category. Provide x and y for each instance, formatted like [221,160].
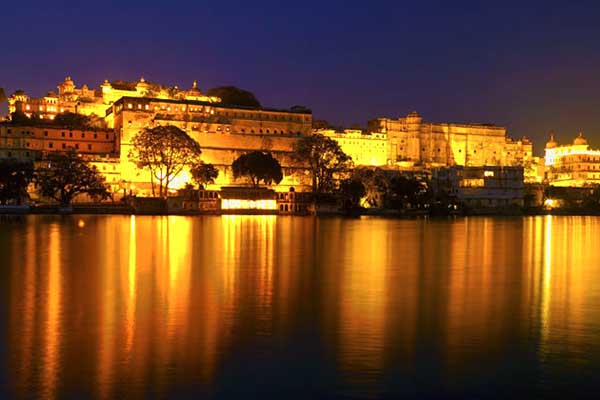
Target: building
[444,144]
[223,132]
[88,101]
[366,149]
[35,142]
[574,164]
[481,187]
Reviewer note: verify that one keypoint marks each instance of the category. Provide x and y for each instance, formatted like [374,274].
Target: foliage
[352,190]
[67,120]
[403,192]
[164,151]
[15,176]
[376,183]
[257,166]
[301,109]
[20,119]
[325,160]
[323,124]
[72,121]
[68,175]
[235,96]
[2,96]
[204,174]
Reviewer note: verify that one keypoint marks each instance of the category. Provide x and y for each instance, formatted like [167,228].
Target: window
[45,133]
[62,134]
[89,146]
[83,135]
[130,106]
[77,146]
[9,131]
[10,154]
[70,134]
[50,145]
[64,146]
[95,136]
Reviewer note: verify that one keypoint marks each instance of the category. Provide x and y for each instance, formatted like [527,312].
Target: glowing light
[80,223]
[550,203]
[242,204]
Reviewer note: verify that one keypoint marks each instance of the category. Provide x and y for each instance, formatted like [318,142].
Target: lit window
[488,173]
[130,106]
[28,107]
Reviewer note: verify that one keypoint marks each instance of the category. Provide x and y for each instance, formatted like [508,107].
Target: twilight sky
[533,67]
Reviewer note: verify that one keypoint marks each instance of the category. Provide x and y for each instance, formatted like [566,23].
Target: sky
[533,67]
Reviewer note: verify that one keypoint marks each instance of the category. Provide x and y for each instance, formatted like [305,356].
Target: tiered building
[574,164]
[88,101]
[445,144]
[225,132]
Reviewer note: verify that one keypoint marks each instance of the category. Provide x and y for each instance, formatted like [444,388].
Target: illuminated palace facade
[444,144]
[125,108]
[223,132]
[86,101]
[574,164]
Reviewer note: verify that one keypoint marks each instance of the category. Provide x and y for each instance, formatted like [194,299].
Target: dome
[551,143]
[142,83]
[580,140]
[194,90]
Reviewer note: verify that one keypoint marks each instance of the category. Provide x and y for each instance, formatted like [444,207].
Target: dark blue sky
[532,67]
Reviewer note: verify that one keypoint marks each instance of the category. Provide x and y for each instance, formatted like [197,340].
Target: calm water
[262,307]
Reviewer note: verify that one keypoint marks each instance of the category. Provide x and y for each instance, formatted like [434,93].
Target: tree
[72,120]
[164,151]
[204,174]
[376,184]
[15,176]
[235,96]
[403,191]
[325,161]
[258,166]
[352,190]
[2,96]
[67,175]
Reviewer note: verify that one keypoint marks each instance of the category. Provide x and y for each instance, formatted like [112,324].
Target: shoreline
[381,213]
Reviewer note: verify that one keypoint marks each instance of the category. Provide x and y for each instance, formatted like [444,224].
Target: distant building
[365,148]
[481,187]
[573,164]
[412,141]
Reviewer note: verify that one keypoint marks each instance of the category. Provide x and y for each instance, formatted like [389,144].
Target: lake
[299,307]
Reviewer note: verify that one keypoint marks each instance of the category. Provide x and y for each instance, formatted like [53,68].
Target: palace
[88,101]
[366,149]
[121,109]
[223,132]
[572,164]
[444,144]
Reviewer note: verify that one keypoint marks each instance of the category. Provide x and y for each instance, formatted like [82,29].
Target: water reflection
[252,305]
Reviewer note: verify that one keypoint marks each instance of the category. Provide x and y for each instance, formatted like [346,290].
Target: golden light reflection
[51,363]
[363,280]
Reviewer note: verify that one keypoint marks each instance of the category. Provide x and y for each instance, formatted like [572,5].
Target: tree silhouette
[258,166]
[67,175]
[204,174]
[15,176]
[324,159]
[164,151]
[235,96]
